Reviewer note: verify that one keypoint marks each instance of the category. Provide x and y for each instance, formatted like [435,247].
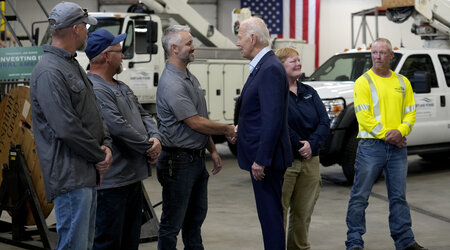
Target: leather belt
[194,152]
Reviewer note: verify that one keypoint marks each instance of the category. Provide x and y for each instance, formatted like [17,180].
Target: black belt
[194,152]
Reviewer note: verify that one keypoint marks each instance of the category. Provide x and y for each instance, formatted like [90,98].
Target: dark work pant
[118,222]
[184,181]
[270,211]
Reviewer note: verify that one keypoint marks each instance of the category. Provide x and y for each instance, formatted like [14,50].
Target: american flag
[298,19]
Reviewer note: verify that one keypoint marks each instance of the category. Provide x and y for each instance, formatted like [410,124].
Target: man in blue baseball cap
[73,144]
[136,142]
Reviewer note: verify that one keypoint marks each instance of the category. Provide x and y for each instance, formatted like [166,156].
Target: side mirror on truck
[152,37]
[421,82]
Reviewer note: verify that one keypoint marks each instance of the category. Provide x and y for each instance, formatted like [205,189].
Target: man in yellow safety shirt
[385,110]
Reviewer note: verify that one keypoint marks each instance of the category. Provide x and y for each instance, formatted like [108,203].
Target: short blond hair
[384,40]
[285,53]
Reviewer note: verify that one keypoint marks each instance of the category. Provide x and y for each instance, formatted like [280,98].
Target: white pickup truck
[429,73]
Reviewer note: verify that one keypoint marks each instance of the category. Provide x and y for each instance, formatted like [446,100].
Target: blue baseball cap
[101,39]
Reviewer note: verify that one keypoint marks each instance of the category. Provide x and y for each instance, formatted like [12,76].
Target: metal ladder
[7,19]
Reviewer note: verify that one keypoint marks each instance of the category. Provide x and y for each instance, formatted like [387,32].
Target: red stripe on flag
[317,33]
[292,19]
[305,20]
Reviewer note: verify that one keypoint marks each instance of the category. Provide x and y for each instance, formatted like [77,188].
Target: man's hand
[103,166]
[231,134]
[258,171]
[305,151]
[217,161]
[394,137]
[154,151]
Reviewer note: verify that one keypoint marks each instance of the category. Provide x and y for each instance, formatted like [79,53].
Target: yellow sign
[2,23]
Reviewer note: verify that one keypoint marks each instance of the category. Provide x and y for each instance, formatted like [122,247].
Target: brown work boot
[416,246]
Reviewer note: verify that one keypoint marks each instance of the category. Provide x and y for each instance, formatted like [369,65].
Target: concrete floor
[232,222]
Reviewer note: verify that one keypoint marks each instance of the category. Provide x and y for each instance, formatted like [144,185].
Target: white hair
[258,27]
[172,36]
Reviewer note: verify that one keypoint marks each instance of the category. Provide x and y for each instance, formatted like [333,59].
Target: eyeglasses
[85,14]
[115,50]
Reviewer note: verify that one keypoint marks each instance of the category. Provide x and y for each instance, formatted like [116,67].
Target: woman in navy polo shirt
[308,129]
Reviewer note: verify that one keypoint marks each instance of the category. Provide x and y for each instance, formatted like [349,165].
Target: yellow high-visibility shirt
[382,104]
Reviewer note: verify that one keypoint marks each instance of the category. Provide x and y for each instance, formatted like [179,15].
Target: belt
[194,152]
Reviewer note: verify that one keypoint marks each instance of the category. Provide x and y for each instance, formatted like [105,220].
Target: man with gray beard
[136,141]
[72,141]
[186,130]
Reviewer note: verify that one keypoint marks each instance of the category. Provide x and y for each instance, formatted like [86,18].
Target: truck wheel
[348,159]
[233,148]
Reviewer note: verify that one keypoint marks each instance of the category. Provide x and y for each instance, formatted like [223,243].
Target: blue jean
[184,181]
[75,218]
[118,222]
[374,156]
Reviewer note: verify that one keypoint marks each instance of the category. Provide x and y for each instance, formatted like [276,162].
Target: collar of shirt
[258,57]
[58,51]
[174,69]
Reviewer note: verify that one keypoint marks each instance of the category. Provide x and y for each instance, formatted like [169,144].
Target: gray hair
[258,27]
[384,40]
[99,59]
[172,36]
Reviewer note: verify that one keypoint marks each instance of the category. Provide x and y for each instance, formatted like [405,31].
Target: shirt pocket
[76,85]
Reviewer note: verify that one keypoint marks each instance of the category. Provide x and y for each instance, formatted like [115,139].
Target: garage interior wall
[335,21]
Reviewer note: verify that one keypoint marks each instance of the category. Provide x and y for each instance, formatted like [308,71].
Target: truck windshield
[347,67]
[112,24]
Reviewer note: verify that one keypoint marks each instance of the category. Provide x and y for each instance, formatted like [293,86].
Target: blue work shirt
[308,120]
[68,126]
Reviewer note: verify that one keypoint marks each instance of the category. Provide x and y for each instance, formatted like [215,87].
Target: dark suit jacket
[263,135]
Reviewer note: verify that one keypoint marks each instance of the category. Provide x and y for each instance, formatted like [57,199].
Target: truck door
[432,115]
[444,60]
[138,72]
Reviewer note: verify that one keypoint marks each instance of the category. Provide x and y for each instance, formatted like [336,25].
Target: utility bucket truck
[428,70]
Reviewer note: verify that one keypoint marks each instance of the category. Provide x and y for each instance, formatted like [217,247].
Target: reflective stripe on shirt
[376,107]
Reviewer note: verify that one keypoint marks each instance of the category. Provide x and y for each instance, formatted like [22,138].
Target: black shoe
[357,248]
[416,246]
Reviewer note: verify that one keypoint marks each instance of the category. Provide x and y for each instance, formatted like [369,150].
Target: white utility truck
[428,69]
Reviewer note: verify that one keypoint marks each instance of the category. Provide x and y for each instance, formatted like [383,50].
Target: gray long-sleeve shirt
[67,124]
[130,127]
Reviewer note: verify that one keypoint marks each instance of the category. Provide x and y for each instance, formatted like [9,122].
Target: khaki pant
[301,189]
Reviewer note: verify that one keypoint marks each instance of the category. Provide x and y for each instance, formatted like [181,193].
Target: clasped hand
[154,151]
[231,134]
[394,137]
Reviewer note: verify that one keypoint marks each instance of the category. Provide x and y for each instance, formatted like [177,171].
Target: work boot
[416,246]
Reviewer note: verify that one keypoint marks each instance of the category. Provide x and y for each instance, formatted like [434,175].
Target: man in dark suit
[263,137]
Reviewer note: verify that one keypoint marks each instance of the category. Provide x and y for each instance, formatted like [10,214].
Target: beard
[187,58]
[82,46]
[119,69]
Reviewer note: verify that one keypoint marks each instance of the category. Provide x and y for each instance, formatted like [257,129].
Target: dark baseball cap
[66,14]
[101,39]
